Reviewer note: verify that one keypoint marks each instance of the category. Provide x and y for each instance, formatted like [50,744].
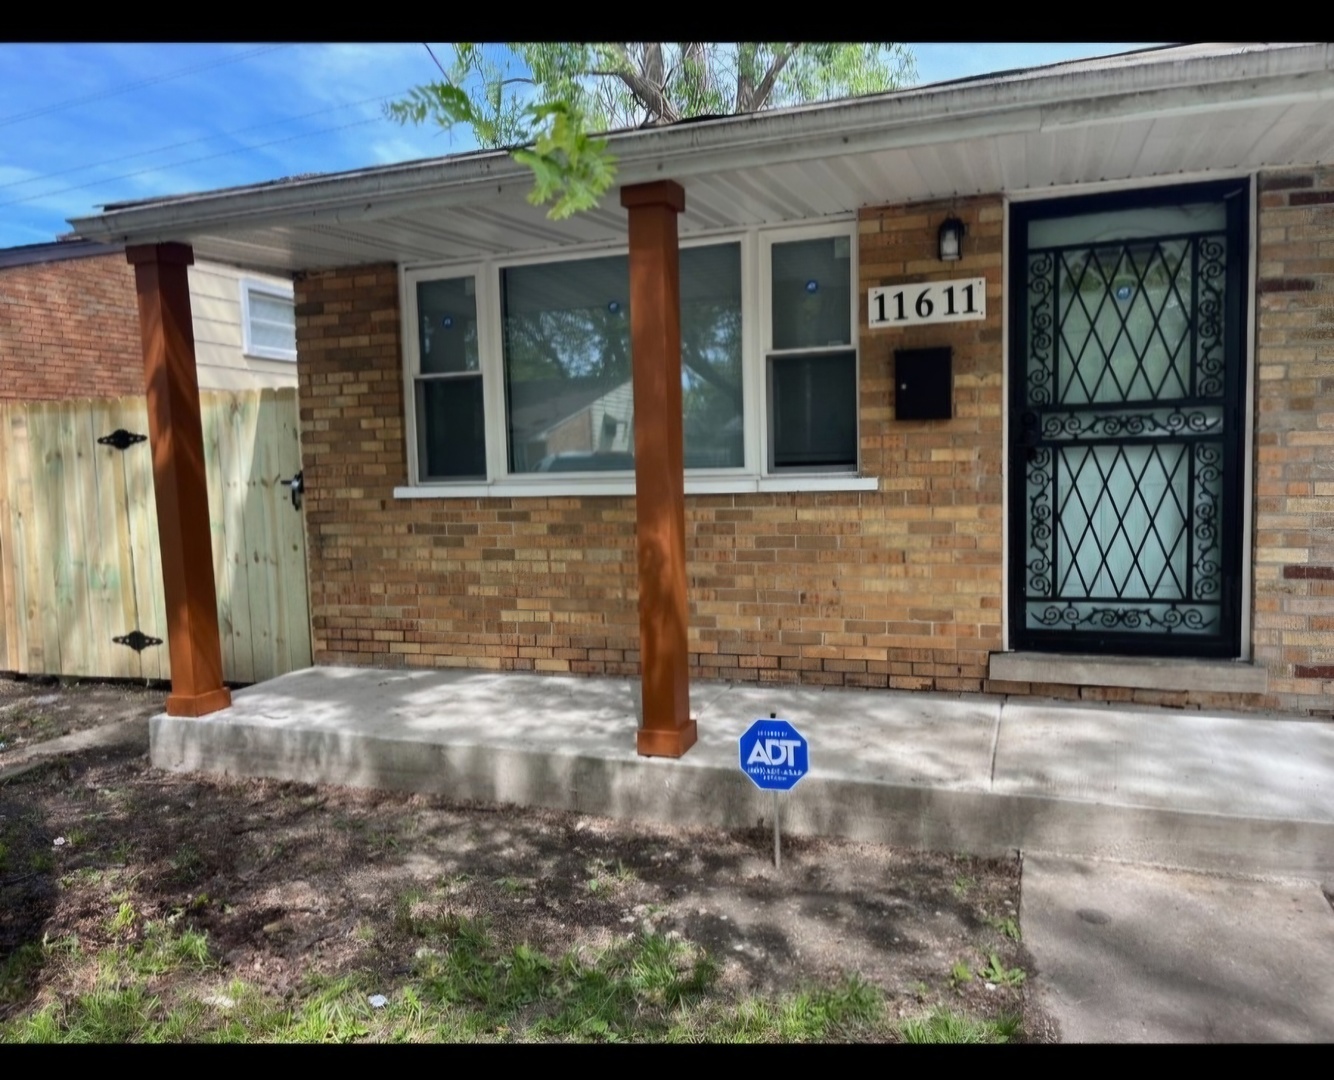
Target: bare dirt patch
[291,883]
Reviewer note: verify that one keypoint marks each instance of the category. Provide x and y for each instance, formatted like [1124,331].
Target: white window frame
[768,240]
[756,246]
[277,292]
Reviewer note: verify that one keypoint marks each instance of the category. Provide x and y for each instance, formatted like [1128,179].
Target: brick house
[1020,384]
[69,324]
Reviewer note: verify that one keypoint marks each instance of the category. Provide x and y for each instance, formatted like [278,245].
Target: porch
[981,773]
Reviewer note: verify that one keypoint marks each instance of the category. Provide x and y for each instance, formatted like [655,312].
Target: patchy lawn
[40,709]
[137,905]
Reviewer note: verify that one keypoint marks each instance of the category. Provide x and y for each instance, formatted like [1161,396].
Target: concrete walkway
[1173,860]
[1132,953]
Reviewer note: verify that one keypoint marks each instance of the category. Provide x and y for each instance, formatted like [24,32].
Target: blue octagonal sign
[774,754]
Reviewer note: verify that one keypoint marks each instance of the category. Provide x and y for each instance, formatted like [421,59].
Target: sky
[84,125]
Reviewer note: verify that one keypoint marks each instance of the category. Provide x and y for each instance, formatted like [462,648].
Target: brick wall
[1294,444]
[70,329]
[893,588]
[901,587]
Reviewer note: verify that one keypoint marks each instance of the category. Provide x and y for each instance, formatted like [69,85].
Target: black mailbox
[923,384]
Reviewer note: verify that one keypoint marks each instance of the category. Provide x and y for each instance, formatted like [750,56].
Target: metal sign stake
[775,756]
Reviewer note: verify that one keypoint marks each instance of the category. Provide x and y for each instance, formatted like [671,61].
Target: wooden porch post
[655,348]
[175,432]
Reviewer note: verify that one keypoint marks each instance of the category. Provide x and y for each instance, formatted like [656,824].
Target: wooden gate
[79,558]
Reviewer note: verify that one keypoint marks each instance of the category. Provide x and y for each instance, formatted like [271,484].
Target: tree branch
[650,96]
[707,374]
[766,86]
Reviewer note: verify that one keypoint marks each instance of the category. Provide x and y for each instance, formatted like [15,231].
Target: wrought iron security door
[1125,426]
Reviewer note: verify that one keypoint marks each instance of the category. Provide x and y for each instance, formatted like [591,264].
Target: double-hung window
[811,361]
[520,371]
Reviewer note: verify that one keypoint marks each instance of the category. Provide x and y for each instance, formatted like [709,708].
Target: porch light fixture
[950,239]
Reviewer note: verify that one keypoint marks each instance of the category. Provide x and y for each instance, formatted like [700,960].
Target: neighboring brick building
[1129,495]
[69,325]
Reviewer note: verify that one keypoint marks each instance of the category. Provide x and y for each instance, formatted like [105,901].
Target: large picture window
[523,370]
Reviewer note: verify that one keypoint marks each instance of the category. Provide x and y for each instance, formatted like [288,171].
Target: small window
[451,416]
[812,366]
[268,321]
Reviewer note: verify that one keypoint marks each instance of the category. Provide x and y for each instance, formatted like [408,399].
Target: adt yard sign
[774,755]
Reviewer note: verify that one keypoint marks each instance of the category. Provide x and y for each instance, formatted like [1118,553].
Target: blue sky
[82,125]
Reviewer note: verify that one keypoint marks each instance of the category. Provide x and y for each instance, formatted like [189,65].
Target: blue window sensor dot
[447,322]
[614,306]
[1125,292]
[812,286]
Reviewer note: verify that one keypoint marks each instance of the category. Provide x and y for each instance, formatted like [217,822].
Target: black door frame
[1236,196]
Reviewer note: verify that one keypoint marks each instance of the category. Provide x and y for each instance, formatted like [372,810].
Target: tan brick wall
[893,588]
[1294,445]
[70,329]
[901,587]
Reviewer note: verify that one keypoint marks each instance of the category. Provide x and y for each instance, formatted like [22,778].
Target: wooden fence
[79,557]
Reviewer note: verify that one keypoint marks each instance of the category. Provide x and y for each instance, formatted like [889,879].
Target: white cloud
[333,74]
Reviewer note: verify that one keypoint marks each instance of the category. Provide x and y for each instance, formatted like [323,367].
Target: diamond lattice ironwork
[1124,421]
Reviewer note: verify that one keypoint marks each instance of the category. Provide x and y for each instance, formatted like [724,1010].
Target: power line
[45,110]
[191,142]
[192,161]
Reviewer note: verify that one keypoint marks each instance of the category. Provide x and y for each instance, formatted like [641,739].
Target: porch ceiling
[1011,135]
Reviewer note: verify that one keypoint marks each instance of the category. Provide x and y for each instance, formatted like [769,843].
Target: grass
[463,985]
[187,865]
[19,970]
[603,877]
[944,1026]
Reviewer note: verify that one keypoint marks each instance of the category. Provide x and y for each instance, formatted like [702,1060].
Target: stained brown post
[176,435]
[655,347]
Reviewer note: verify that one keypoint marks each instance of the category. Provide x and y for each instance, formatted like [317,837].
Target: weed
[187,864]
[998,973]
[124,918]
[603,876]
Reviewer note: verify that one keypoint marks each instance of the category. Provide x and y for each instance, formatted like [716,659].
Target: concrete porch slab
[950,772]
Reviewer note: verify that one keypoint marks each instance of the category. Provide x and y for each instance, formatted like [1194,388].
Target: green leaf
[541,101]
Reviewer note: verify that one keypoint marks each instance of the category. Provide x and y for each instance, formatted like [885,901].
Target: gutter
[1093,92]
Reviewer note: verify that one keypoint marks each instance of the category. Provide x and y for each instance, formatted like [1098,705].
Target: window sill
[257,354]
[1135,673]
[566,488]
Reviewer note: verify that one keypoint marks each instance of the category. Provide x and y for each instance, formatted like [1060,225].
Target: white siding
[215,300]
